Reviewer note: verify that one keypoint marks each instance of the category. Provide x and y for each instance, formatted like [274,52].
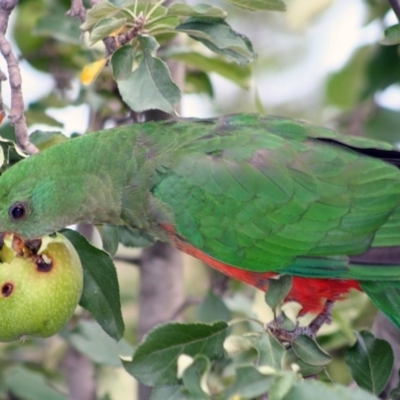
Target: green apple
[40,286]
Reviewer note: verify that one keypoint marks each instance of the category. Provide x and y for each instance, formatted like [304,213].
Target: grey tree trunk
[161,275]
[161,290]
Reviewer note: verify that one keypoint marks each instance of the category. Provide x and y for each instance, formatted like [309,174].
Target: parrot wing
[273,196]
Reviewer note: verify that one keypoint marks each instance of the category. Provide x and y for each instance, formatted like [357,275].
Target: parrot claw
[284,335]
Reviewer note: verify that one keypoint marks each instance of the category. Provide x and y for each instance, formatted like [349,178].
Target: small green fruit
[40,289]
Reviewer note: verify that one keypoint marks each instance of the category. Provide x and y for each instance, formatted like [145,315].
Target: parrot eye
[18,211]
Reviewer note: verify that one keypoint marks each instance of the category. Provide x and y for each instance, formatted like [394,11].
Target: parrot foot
[284,335]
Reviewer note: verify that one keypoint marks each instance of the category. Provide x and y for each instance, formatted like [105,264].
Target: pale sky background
[327,43]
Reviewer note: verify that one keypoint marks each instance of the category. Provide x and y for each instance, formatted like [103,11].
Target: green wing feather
[267,195]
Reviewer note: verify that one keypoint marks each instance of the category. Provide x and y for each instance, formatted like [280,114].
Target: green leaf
[46,139]
[383,124]
[370,361]
[199,10]
[100,285]
[154,362]
[287,323]
[110,238]
[105,27]
[382,70]
[392,35]
[259,5]
[150,86]
[122,62]
[52,100]
[395,392]
[172,392]
[90,339]
[270,351]
[40,117]
[235,344]
[308,350]
[198,82]
[239,74]
[29,385]
[121,3]
[290,357]
[219,37]
[277,291]
[311,389]
[193,376]
[103,9]
[10,152]
[213,308]
[2,157]
[130,237]
[249,383]
[344,87]
[57,26]
[281,385]
[7,132]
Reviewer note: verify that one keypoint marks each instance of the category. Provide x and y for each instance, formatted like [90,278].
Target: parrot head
[33,203]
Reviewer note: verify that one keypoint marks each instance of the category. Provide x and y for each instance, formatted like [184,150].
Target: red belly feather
[311,293]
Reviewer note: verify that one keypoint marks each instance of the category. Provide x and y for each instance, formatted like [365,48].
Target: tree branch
[161,291]
[16,116]
[79,371]
[3,77]
[77,10]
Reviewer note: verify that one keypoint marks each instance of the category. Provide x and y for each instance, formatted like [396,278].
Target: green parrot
[254,197]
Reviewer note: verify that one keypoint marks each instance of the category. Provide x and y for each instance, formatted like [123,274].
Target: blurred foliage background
[321,61]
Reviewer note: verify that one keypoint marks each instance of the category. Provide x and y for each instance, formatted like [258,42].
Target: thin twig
[113,43]
[77,10]
[16,116]
[3,77]
[395,4]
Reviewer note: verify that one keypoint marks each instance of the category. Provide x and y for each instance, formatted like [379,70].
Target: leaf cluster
[134,32]
[208,361]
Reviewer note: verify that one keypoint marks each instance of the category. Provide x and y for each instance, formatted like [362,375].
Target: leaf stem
[130,13]
[156,19]
[148,15]
[161,29]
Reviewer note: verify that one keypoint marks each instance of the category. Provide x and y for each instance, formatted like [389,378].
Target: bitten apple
[40,286]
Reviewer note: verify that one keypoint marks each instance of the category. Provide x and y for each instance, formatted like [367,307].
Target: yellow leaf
[91,71]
